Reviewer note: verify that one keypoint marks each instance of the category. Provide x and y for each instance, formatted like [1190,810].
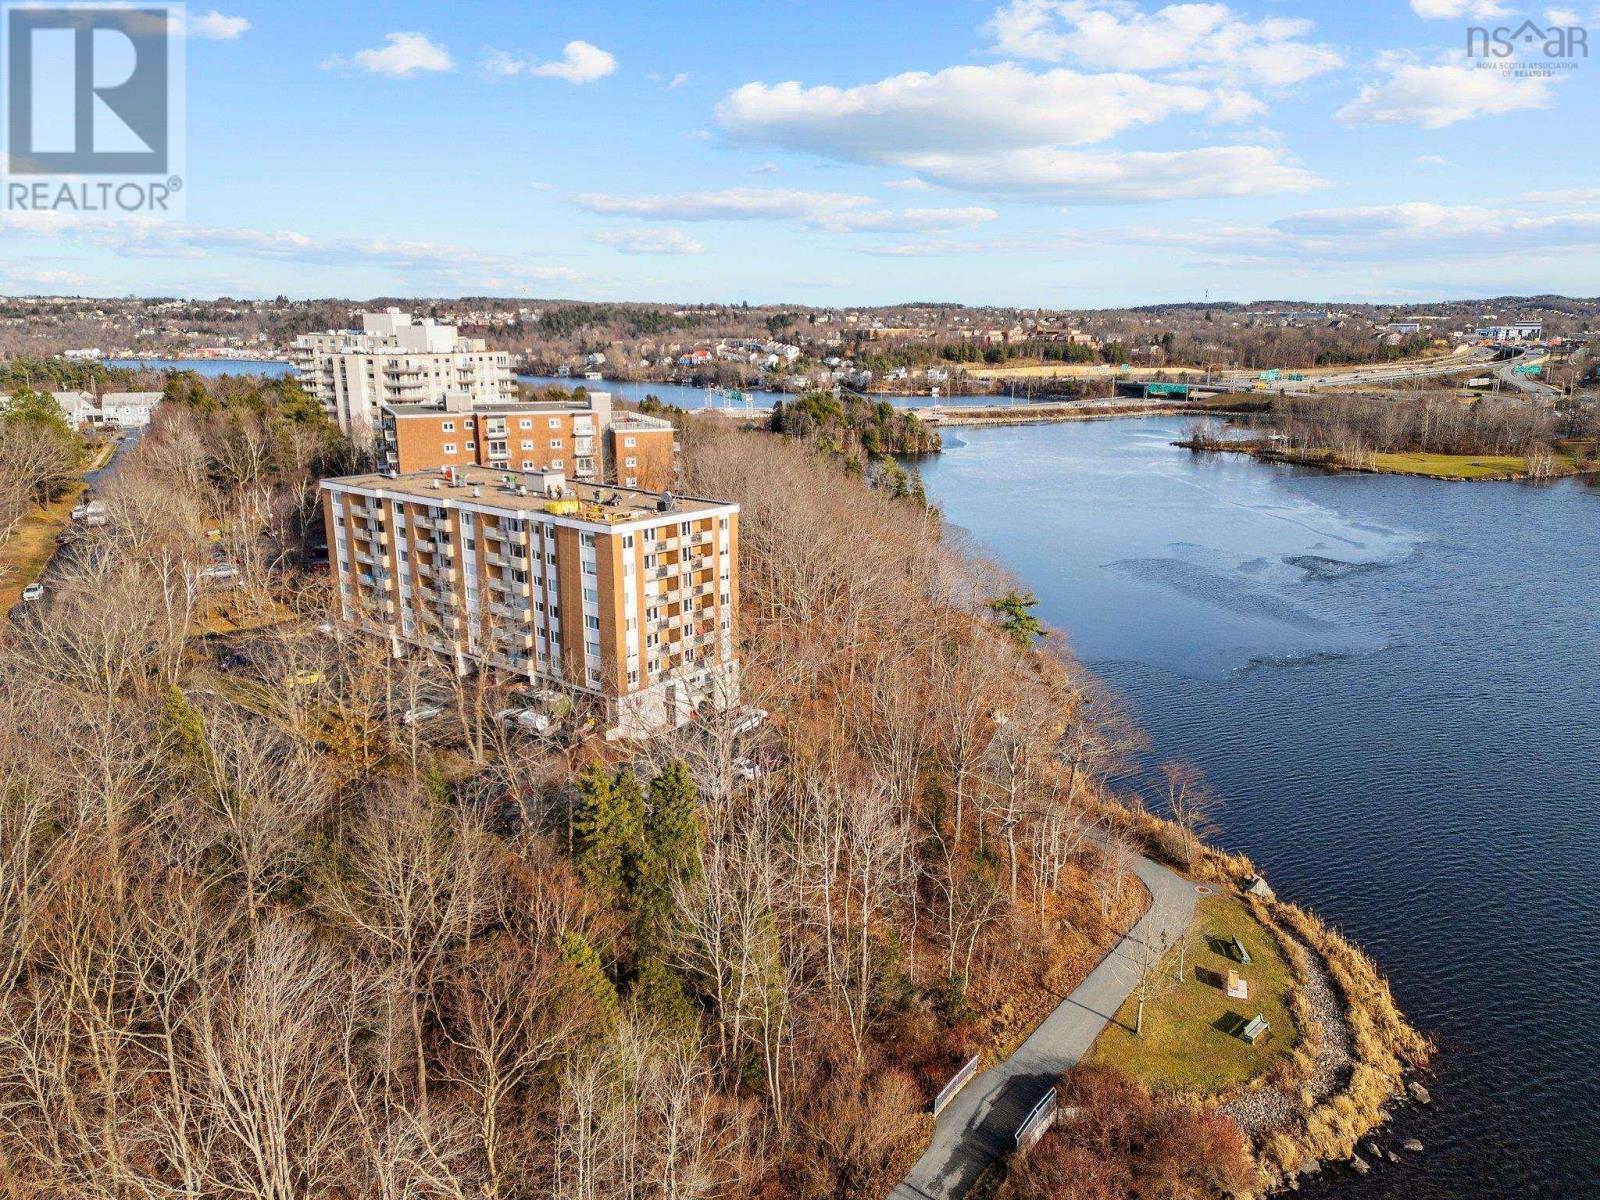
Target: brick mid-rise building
[580,437]
[626,595]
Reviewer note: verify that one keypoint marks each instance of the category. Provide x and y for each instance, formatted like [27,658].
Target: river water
[1395,684]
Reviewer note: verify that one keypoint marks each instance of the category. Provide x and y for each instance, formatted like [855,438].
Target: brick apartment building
[625,595]
[582,438]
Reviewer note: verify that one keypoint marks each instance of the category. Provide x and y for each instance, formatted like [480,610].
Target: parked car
[748,769]
[747,719]
[526,719]
[419,713]
[33,591]
[552,701]
[220,571]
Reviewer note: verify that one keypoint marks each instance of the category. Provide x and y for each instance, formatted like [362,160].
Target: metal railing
[1036,1124]
[957,1081]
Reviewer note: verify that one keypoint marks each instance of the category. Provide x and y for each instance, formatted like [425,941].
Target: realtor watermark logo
[94,114]
[1528,50]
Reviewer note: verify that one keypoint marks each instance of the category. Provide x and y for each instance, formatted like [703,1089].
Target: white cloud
[1006,131]
[403,54]
[678,80]
[501,64]
[1440,94]
[963,108]
[910,184]
[1390,233]
[766,168]
[1432,160]
[837,212]
[729,204]
[1563,16]
[1110,177]
[169,240]
[924,220]
[1450,10]
[580,62]
[218,28]
[1208,40]
[650,241]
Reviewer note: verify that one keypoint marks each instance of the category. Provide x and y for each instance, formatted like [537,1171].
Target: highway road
[1469,362]
[1529,385]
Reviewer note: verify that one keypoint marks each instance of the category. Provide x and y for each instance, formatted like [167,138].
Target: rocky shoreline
[1358,1058]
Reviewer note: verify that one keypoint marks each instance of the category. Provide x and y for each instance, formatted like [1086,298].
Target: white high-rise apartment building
[393,359]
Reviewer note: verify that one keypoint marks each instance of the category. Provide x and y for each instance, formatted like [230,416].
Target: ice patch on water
[1222,590]
[1317,567]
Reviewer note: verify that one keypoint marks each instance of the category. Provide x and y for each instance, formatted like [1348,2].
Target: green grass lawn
[1186,1042]
[1463,466]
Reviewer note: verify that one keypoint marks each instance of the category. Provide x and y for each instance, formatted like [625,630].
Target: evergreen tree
[918,492]
[629,822]
[182,728]
[658,996]
[589,977]
[1019,624]
[609,824]
[672,845]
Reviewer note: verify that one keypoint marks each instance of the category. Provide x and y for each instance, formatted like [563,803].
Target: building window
[631,481]
[557,464]
[449,448]
[472,445]
[524,424]
[527,445]
[447,427]
[630,462]
[555,443]
[630,443]
[555,422]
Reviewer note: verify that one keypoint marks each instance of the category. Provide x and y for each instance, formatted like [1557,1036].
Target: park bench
[1239,952]
[1258,1029]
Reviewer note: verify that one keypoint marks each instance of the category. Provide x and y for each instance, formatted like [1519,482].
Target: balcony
[426,545]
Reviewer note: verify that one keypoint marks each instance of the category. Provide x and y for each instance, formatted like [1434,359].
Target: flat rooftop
[599,504]
[492,408]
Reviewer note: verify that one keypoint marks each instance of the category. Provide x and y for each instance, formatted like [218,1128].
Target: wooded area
[259,938]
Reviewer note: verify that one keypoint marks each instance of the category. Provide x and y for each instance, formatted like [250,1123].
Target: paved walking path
[976,1129]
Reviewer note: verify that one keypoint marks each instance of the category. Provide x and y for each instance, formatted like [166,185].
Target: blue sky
[1059,153]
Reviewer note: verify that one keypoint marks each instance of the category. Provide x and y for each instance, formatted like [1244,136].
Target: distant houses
[113,410]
